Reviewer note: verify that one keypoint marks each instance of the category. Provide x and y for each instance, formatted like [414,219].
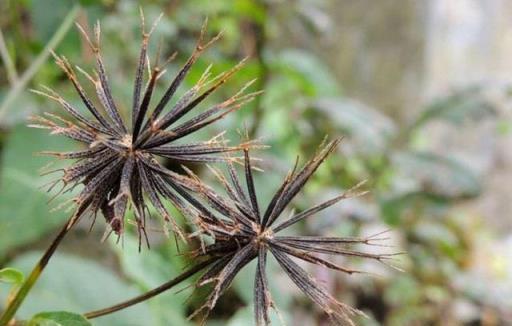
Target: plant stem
[12,74]
[260,36]
[20,296]
[22,82]
[148,295]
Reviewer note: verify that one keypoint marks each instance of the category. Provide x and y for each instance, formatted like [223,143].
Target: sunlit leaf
[58,318]
[11,276]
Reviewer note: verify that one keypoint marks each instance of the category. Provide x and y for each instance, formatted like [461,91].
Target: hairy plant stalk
[25,288]
[152,293]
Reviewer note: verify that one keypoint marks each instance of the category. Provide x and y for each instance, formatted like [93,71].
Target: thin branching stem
[150,294]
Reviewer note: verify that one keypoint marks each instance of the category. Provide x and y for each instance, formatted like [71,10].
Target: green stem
[12,74]
[20,296]
[260,36]
[148,295]
[22,82]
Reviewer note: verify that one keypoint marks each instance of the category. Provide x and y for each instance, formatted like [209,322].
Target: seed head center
[127,141]
[264,236]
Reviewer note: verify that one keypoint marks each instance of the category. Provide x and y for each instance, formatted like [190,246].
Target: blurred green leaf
[149,269]
[243,283]
[315,78]
[58,318]
[436,174]
[252,9]
[91,2]
[369,129]
[11,276]
[47,15]
[403,290]
[74,284]
[434,232]
[24,212]
[242,317]
[468,103]
[442,237]
[395,206]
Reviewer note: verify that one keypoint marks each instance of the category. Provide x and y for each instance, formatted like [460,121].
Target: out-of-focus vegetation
[415,190]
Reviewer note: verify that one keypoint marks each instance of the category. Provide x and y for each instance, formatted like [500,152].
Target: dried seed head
[242,233]
[118,166]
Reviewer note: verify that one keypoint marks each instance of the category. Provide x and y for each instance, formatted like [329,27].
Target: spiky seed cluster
[118,165]
[242,233]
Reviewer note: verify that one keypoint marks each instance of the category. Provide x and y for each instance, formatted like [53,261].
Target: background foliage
[416,191]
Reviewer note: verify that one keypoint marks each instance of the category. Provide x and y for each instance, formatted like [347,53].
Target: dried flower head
[119,165]
[241,233]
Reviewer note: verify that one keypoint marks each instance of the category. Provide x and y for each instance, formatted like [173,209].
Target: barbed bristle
[111,148]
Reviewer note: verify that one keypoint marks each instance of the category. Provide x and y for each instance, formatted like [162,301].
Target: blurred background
[419,89]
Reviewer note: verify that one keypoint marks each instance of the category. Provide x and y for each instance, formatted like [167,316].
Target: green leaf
[394,207]
[242,317]
[24,212]
[440,235]
[315,77]
[47,15]
[403,290]
[75,284]
[436,174]
[150,269]
[58,318]
[250,9]
[464,104]
[370,130]
[11,276]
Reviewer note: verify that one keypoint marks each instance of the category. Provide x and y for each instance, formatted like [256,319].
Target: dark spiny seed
[240,236]
[119,167]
